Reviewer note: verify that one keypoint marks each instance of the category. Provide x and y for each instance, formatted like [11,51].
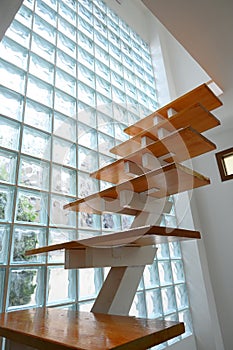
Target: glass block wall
[73,75]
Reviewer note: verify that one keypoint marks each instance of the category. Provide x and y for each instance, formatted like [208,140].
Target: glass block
[29,3]
[66,28]
[31,207]
[101,55]
[7,166]
[119,132]
[139,71]
[64,127]
[86,185]
[100,27]
[14,53]
[131,90]
[102,70]
[90,281]
[105,143]
[34,173]
[2,282]
[52,4]
[87,159]
[66,45]
[43,48]
[128,62]
[60,216]
[38,115]
[36,143]
[101,15]
[64,180]
[111,222]
[101,4]
[105,160]
[168,300]
[138,308]
[120,113]
[151,276]
[6,203]
[24,287]
[89,221]
[103,87]
[150,79]
[175,250]
[113,16]
[85,27]
[24,16]
[178,271]
[12,77]
[4,241]
[87,234]
[118,81]
[26,238]
[87,4]
[181,296]
[86,94]
[86,75]
[153,303]
[101,40]
[85,13]
[66,63]
[45,12]
[71,3]
[57,236]
[104,185]
[85,306]
[132,118]
[152,104]
[19,33]
[169,221]
[126,221]
[41,68]
[165,273]
[40,91]
[67,13]
[118,96]
[185,316]
[85,58]
[9,134]
[65,104]
[115,52]
[64,152]
[44,29]
[105,124]
[142,98]
[103,104]
[65,82]
[86,114]
[58,285]
[85,42]
[163,251]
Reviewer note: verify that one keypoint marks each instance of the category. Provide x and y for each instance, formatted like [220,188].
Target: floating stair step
[202,95]
[168,180]
[182,145]
[61,329]
[140,236]
[195,116]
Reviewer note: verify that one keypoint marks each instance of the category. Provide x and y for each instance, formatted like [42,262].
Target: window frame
[220,156]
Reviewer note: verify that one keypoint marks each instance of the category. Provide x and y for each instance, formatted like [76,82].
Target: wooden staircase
[148,172]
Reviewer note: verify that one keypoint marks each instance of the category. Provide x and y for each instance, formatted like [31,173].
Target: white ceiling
[205,30]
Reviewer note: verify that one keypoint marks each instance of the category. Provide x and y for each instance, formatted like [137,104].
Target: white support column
[118,291]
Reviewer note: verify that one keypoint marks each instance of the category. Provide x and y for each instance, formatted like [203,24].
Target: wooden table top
[45,328]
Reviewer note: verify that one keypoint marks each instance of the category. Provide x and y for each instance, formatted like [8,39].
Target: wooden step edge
[128,237]
[196,97]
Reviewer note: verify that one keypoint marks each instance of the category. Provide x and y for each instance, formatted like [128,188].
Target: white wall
[212,206]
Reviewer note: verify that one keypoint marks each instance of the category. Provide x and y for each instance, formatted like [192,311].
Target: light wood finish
[57,329]
[202,95]
[168,180]
[195,116]
[133,236]
[184,144]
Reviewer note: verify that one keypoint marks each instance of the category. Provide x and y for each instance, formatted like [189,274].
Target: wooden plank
[168,180]
[183,144]
[202,95]
[195,116]
[57,329]
[123,238]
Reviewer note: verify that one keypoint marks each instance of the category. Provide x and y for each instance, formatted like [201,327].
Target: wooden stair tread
[195,116]
[61,329]
[159,234]
[184,144]
[202,94]
[168,180]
